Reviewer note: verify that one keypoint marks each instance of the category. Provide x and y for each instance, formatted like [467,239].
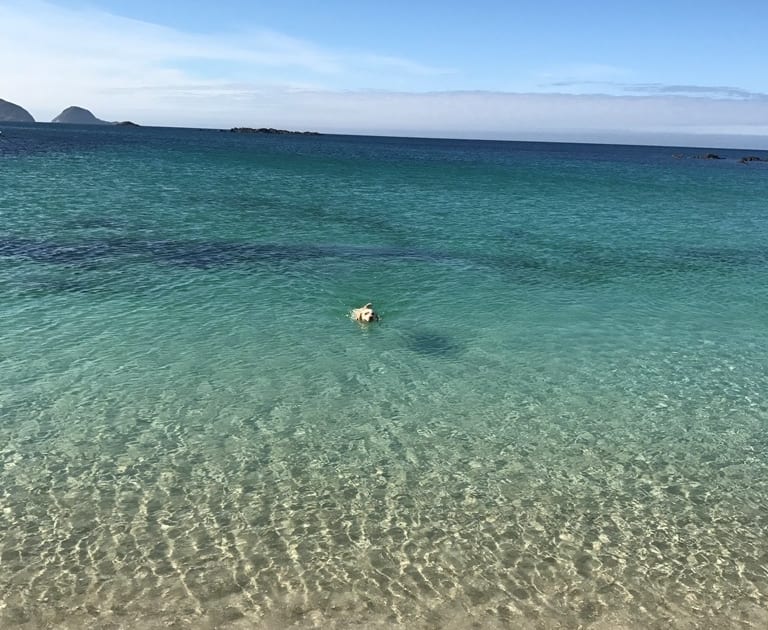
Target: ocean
[560,420]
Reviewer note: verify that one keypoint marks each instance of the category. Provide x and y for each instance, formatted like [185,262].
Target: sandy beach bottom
[386,518]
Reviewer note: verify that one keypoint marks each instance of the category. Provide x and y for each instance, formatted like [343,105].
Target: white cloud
[581,73]
[710,91]
[497,114]
[62,56]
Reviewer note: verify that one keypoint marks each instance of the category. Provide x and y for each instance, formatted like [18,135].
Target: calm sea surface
[560,421]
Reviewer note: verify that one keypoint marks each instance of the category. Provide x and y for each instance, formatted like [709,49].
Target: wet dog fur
[365,314]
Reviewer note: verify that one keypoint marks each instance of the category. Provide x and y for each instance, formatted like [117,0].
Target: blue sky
[655,71]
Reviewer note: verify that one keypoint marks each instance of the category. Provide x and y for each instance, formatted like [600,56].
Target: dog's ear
[369,305]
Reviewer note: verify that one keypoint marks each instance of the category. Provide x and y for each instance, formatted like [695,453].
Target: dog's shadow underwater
[425,341]
[433,343]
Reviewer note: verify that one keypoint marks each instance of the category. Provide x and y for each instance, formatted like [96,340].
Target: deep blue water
[560,418]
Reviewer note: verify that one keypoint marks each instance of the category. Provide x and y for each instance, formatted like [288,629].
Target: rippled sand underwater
[542,431]
[286,519]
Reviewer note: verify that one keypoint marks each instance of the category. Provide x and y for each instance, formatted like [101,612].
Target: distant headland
[75,115]
[10,112]
[270,130]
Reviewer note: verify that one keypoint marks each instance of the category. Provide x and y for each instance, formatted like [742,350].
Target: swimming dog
[364,314]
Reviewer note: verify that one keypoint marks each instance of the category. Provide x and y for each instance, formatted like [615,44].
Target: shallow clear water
[560,419]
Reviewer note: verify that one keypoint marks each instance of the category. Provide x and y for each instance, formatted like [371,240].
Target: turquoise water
[560,420]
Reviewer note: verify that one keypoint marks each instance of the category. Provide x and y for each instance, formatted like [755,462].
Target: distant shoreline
[726,151]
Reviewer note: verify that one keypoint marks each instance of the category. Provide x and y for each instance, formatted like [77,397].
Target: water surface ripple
[559,421]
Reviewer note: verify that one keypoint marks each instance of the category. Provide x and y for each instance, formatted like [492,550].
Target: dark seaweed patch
[200,254]
[723,255]
[41,251]
[93,223]
[579,266]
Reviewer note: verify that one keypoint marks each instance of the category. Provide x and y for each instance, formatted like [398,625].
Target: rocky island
[270,130]
[10,112]
[78,116]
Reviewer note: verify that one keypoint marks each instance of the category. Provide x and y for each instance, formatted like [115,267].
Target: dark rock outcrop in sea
[270,130]
[127,123]
[714,156]
[10,112]
[78,116]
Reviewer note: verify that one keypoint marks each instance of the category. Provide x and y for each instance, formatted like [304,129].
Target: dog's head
[365,314]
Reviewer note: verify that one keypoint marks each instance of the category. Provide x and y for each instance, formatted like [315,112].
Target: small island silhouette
[270,130]
[75,115]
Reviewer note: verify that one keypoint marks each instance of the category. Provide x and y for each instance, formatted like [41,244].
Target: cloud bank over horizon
[122,68]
